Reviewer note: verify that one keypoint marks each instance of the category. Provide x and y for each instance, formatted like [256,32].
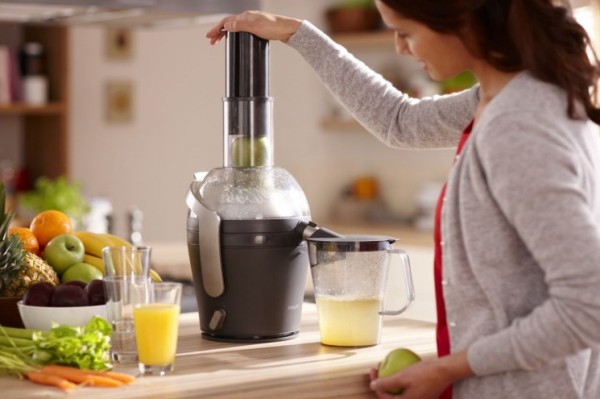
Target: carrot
[80,376]
[122,377]
[101,381]
[52,380]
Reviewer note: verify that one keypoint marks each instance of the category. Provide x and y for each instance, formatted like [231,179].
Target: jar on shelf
[33,70]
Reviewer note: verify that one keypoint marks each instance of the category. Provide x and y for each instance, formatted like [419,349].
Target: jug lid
[352,243]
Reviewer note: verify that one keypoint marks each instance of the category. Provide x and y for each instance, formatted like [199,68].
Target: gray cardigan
[520,223]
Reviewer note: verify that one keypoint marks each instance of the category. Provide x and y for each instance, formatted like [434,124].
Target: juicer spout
[312,230]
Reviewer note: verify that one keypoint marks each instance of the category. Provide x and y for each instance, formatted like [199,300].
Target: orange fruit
[48,224]
[30,243]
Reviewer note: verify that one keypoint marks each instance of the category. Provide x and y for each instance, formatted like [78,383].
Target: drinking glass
[156,321]
[127,275]
[127,260]
[122,292]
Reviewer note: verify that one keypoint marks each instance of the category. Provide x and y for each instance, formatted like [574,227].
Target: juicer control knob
[217,319]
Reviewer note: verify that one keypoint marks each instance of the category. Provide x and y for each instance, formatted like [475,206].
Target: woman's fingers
[216,33]
[265,25]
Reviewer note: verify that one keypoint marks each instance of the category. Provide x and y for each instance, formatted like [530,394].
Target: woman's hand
[262,24]
[423,380]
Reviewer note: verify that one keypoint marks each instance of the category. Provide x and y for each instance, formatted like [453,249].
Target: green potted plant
[353,16]
[58,194]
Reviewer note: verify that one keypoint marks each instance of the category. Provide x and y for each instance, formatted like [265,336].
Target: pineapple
[34,269]
[19,269]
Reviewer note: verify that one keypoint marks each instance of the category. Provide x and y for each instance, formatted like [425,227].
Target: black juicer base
[257,340]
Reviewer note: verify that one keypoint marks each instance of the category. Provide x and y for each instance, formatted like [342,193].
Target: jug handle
[410,290]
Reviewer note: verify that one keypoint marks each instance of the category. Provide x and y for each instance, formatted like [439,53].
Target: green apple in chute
[250,151]
[395,361]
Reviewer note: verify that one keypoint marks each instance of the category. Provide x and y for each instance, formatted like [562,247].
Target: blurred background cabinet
[39,147]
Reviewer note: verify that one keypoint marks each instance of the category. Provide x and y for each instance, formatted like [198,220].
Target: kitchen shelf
[338,123]
[374,38]
[380,40]
[26,109]
[44,129]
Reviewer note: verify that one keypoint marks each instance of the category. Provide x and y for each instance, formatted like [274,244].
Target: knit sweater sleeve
[392,116]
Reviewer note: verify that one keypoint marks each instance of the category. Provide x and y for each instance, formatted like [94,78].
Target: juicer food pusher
[247,221]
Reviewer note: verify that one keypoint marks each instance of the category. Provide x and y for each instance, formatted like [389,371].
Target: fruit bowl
[42,317]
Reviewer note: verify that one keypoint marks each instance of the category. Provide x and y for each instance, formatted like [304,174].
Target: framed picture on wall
[119,101]
[119,44]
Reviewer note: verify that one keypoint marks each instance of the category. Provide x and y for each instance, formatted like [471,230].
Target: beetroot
[69,295]
[39,294]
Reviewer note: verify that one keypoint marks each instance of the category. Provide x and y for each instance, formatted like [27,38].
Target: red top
[443,338]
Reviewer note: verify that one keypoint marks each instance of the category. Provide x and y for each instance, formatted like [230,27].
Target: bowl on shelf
[9,312]
[353,19]
[42,317]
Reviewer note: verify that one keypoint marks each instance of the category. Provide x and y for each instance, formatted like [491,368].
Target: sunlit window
[587,18]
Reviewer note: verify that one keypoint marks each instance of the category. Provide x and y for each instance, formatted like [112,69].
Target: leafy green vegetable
[58,194]
[355,4]
[86,347]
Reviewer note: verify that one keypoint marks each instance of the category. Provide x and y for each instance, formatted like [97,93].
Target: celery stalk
[12,342]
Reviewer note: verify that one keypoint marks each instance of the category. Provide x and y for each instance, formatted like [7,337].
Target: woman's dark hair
[514,35]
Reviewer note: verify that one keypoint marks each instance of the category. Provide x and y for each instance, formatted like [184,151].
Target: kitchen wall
[177,127]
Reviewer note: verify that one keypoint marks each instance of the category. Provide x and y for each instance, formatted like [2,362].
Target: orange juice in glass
[156,323]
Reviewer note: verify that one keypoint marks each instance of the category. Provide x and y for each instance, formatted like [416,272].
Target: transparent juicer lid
[251,194]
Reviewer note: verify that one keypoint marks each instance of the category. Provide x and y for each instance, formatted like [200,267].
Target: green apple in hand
[63,251]
[395,361]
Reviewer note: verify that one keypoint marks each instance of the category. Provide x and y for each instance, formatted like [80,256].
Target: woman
[517,265]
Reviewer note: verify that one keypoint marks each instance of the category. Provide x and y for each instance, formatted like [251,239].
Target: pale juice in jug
[345,321]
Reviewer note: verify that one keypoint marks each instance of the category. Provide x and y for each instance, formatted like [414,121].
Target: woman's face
[441,55]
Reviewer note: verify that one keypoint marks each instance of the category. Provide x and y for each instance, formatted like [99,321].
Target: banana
[154,275]
[95,261]
[116,240]
[92,242]
[98,263]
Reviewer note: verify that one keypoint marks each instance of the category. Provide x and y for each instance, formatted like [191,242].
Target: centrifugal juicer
[247,220]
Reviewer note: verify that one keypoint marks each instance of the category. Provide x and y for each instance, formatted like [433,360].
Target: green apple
[81,271]
[250,151]
[395,361]
[63,251]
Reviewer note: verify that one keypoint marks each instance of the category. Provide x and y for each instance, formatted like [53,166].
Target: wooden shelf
[382,40]
[375,38]
[25,109]
[44,129]
[337,123]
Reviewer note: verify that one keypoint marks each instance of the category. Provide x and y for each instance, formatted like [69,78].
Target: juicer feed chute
[247,105]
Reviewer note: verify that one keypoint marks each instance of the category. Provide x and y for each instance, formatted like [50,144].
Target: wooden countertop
[297,368]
